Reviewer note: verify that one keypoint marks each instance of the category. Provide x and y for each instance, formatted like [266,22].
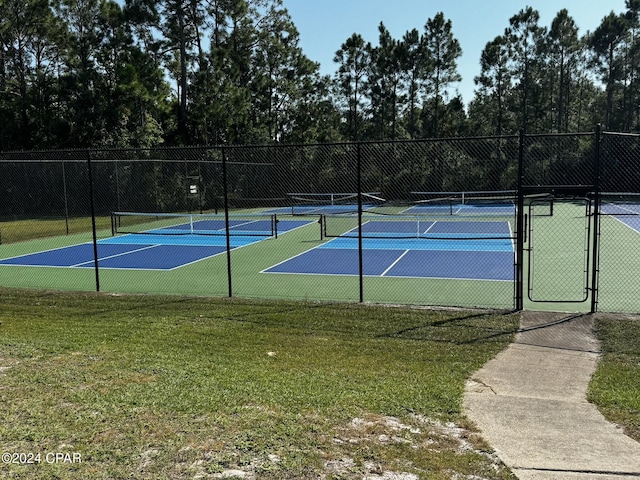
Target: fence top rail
[621,134]
[71,154]
[216,153]
[52,159]
[555,135]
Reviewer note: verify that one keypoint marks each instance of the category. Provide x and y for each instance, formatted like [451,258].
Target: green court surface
[558,261]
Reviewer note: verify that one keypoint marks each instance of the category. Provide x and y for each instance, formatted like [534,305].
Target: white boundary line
[383,274]
[387,276]
[291,258]
[394,263]
[89,262]
[622,222]
[42,251]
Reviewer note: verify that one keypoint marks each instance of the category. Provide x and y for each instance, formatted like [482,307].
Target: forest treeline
[143,73]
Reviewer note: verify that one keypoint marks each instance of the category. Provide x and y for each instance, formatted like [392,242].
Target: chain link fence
[529,221]
[619,223]
[558,181]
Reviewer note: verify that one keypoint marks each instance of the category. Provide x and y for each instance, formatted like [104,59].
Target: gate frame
[585,197]
[589,191]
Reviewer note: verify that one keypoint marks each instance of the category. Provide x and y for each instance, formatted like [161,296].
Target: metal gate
[558,249]
[558,204]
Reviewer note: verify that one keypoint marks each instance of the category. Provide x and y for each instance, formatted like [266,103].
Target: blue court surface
[627,213]
[145,251]
[451,250]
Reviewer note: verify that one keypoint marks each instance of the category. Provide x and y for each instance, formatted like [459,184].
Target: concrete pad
[530,433]
[530,405]
[538,372]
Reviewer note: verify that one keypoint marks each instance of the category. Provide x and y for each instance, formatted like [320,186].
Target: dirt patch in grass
[370,447]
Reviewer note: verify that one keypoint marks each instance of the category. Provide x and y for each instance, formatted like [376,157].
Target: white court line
[114,256]
[291,258]
[624,223]
[431,226]
[394,263]
[621,208]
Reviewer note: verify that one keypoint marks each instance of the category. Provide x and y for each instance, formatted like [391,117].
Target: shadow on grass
[317,318]
[467,328]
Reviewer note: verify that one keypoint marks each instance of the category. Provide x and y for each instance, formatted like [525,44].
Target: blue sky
[325,24]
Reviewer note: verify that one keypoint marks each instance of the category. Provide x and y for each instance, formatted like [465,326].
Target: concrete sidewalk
[530,404]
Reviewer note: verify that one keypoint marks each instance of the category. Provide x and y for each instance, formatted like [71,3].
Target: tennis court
[172,245]
[393,247]
[504,222]
[419,248]
[401,250]
[313,252]
[627,212]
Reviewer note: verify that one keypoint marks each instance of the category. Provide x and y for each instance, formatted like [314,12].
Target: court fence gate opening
[545,221]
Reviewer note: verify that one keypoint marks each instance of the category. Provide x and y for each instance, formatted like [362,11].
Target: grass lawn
[148,387]
[615,387]
[12,231]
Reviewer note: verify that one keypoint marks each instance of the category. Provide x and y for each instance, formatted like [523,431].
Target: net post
[274,225]
[323,222]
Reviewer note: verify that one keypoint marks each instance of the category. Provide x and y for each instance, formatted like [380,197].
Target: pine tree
[443,50]
[563,48]
[494,84]
[606,43]
[351,78]
[524,35]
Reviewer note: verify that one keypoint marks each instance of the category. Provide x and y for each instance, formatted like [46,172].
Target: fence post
[93,221]
[359,185]
[519,268]
[596,221]
[66,201]
[225,190]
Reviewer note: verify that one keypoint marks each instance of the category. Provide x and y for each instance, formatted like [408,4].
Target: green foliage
[99,73]
[615,387]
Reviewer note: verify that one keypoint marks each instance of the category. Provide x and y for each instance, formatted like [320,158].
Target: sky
[324,25]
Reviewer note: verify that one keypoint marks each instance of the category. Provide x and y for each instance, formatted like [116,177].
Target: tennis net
[319,203]
[193,224]
[471,203]
[415,226]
